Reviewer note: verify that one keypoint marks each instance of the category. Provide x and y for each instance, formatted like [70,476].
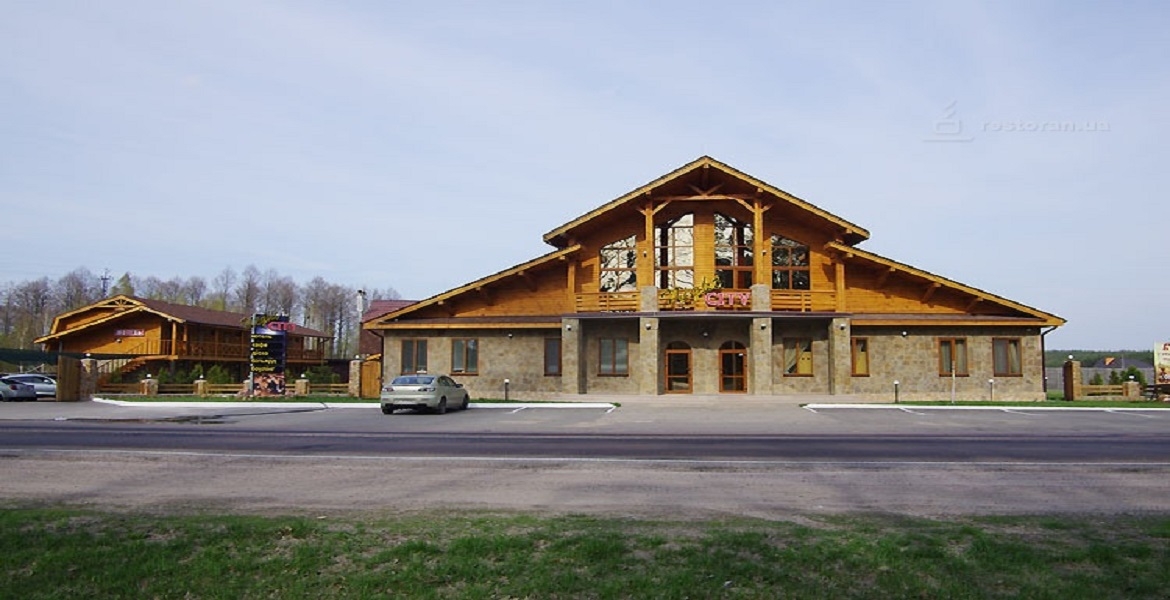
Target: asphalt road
[665,461]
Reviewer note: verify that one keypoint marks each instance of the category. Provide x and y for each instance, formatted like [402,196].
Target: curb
[970,407]
[366,405]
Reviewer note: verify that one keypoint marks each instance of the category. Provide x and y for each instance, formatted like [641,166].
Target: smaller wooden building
[154,335]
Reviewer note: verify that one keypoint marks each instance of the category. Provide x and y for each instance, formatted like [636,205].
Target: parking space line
[519,409]
[907,410]
[1016,412]
[1129,413]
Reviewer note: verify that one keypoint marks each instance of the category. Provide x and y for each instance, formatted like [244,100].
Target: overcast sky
[1017,147]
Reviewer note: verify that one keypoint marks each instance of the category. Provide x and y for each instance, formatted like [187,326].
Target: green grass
[65,553]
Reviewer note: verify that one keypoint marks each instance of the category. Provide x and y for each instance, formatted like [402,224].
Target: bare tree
[223,285]
[195,291]
[32,301]
[76,289]
[247,291]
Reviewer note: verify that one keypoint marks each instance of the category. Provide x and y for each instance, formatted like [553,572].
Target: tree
[247,291]
[124,286]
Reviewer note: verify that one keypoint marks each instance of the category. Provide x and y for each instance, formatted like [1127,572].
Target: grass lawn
[67,553]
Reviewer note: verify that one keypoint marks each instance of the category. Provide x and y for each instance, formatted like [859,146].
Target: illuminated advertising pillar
[268,354]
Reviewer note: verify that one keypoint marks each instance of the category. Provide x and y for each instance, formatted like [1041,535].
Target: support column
[1072,379]
[760,362]
[840,358]
[761,297]
[648,370]
[354,388]
[572,363]
[88,381]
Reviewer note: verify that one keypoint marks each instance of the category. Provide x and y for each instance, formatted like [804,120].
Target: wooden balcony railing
[804,300]
[213,350]
[608,302]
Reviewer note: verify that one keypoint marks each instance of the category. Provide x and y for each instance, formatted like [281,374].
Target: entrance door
[732,367]
[678,368]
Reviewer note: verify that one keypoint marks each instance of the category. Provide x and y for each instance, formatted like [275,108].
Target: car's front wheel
[442,407]
[387,410]
[466,401]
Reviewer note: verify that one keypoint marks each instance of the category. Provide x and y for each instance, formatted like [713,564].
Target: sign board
[268,354]
[1162,363]
[130,333]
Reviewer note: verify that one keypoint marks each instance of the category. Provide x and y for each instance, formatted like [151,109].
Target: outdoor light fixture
[904,334]
[841,327]
[509,336]
[647,327]
[763,325]
[569,327]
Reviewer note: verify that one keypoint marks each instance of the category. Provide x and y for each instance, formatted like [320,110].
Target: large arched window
[790,267]
[674,253]
[733,252]
[618,266]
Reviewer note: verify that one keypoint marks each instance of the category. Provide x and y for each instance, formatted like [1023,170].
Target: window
[1006,355]
[414,356]
[615,357]
[733,253]
[674,253]
[952,356]
[790,269]
[619,266]
[860,353]
[465,356]
[798,357]
[552,356]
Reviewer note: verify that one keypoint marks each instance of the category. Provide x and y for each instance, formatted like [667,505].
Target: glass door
[732,367]
[678,368]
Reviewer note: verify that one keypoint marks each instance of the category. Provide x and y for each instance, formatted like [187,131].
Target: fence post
[201,388]
[149,386]
[1072,379]
[1131,389]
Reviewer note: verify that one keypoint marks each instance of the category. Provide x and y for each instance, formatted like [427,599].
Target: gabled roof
[515,271]
[378,308]
[847,232]
[850,252]
[123,305]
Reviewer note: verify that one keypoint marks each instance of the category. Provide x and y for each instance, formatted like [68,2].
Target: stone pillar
[760,356]
[354,389]
[647,369]
[201,388]
[88,379]
[761,297]
[301,387]
[1072,380]
[840,358]
[648,299]
[572,365]
[149,386]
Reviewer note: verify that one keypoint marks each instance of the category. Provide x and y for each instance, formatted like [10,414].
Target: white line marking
[810,409]
[519,409]
[907,410]
[1129,414]
[1016,412]
[571,459]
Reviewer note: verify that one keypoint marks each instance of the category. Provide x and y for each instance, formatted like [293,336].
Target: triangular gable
[123,305]
[847,232]
[515,271]
[850,253]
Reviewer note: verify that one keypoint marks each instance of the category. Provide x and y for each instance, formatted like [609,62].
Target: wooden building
[710,281]
[153,335]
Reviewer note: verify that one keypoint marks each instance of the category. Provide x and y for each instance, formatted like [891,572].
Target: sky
[1016,147]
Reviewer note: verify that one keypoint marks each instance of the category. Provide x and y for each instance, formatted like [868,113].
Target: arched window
[790,267]
[619,266]
[733,252]
[674,253]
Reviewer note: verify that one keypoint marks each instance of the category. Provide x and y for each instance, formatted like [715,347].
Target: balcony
[717,300]
[225,351]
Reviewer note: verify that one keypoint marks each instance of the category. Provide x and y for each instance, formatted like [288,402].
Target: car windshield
[413,380]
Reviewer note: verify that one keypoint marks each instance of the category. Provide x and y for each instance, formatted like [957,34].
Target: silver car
[424,391]
[45,386]
[15,391]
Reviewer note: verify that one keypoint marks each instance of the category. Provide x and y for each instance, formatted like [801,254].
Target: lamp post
[896,383]
[506,382]
[991,390]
